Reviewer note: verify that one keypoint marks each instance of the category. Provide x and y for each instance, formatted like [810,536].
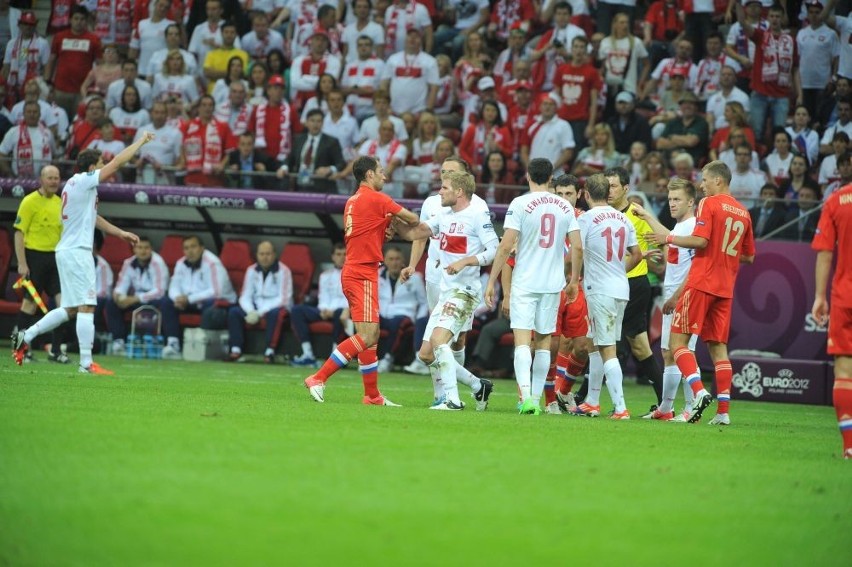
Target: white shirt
[79,211]
[330,294]
[48,117]
[829,133]
[421,20]
[551,139]
[543,221]
[467,11]
[370,129]
[464,233]
[306,81]
[148,283]
[746,186]
[778,168]
[166,145]
[679,259]
[706,80]
[130,120]
[811,140]
[108,149]
[209,281]
[431,209]
[717,101]
[367,73]
[103,277]
[828,170]
[736,37]
[351,33]
[259,48]
[844,26]
[345,130]
[34,49]
[662,73]
[264,293]
[113,97]
[181,86]
[221,90]
[147,38]
[817,48]
[158,59]
[410,78]
[606,234]
[41,140]
[393,150]
[402,299]
[621,63]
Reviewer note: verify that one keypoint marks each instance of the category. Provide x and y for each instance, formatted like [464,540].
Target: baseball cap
[625,96]
[485,83]
[28,18]
[276,80]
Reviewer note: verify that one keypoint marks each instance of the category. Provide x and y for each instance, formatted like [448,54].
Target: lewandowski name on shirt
[734,210]
[599,218]
[547,200]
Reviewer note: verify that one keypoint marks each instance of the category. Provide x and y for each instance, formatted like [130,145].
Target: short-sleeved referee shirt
[39,220]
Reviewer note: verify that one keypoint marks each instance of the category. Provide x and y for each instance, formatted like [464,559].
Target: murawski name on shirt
[547,200]
[735,210]
[599,218]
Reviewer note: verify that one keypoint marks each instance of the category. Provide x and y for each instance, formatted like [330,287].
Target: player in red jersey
[366,218]
[835,231]
[722,239]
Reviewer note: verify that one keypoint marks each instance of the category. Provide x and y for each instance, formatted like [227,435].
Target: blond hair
[461,180]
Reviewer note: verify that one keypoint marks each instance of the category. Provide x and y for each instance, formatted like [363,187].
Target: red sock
[724,377]
[574,367]
[563,385]
[549,392]
[340,357]
[688,366]
[368,362]
[843,407]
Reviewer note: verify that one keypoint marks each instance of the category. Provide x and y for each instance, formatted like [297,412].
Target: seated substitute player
[607,234]
[539,222]
[267,292]
[143,280]
[400,302]
[468,241]
[678,262]
[366,218]
[722,240]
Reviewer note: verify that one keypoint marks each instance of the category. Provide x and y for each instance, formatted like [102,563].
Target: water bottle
[148,344]
[131,341]
[149,176]
[158,348]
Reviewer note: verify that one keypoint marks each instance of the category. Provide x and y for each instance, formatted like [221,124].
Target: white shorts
[433,294]
[76,277]
[534,311]
[605,317]
[454,312]
[667,333]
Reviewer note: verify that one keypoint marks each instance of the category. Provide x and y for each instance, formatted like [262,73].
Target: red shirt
[768,77]
[75,57]
[365,218]
[726,225]
[573,84]
[662,19]
[835,230]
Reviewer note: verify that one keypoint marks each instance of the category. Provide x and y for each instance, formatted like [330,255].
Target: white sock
[523,363]
[459,356]
[173,342]
[236,350]
[671,380]
[307,349]
[268,352]
[540,368]
[47,323]
[388,357]
[85,336]
[447,370]
[614,380]
[437,388]
[464,376]
[596,376]
[688,394]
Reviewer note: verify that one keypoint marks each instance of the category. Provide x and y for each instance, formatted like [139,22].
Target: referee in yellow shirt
[38,226]
[635,325]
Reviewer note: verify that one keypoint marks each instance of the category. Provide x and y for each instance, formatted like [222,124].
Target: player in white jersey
[538,222]
[467,242]
[678,261]
[608,236]
[77,277]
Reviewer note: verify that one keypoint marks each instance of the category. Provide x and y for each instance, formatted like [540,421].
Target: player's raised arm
[125,156]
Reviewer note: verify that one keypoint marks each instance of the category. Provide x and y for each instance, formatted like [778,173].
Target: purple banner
[775,380]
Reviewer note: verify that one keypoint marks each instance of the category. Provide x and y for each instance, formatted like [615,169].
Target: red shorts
[573,318]
[703,314]
[362,294]
[840,331]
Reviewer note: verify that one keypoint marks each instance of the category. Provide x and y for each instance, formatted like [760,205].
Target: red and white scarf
[24,150]
[23,63]
[203,146]
[373,149]
[392,25]
[225,111]
[122,15]
[508,11]
[284,126]
[778,59]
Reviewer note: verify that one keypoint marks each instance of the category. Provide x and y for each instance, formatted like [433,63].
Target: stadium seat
[115,251]
[236,256]
[172,250]
[297,256]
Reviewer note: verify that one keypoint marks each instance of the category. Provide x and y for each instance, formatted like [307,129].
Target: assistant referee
[38,226]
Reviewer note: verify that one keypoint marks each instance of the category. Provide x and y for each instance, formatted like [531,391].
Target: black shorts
[636,312]
[43,272]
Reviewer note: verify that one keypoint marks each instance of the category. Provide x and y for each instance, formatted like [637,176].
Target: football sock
[561,364]
[447,369]
[368,364]
[549,390]
[85,336]
[464,376]
[53,319]
[671,381]
[268,352]
[308,349]
[688,394]
[724,377]
[843,406]
[24,320]
[596,376]
[614,383]
[685,360]
[459,356]
[437,389]
[540,366]
[58,337]
[523,362]
[651,369]
[340,357]
[575,368]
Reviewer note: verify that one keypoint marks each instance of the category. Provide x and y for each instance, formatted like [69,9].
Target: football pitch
[174,463]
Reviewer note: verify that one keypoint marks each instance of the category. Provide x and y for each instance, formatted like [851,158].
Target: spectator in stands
[746,182]
[9,17]
[327,23]
[819,46]
[331,306]
[708,72]
[843,124]
[362,27]
[306,70]
[400,305]
[361,78]
[208,34]
[149,35]
[129,116]
[461,18]
[235,112]
[272,121]
[267,293]
[276,63]
[25,56]
[736,136]
[728,92]
[325,85]
[370,126]
[129,76]
[661,28]
[32,93]
[486,135]
[72,55]
[634,163]
[257,79]
[198,282]
[578,83]
[549,136]
[805,214]
[688,132]
[508,16]
[828,168]
[599,155]
[844,169]
[205,143]
[88,129]
[176,115]
[668,106]
[426,139]
[261,40]
[777,163]
[246,166]
[143,280]
[113,22]
[392,155]
[684,167]
[109,146]
[105,72]
[554,47]
[654,169]
[805,140]
[316,157]
[235,74]
[737,118]
[401,16]
[411,77]
[472,66]
[445,99]
[521,116]
[828,110]
[624,59]
[798,178]
[158,58]
[496,172]
[339,124]
[516,51]
[681,64]
[472,105]
[627,126]
[162,152]
[215,65]
[27,147]
[104,279]
[770,213]
[739,45]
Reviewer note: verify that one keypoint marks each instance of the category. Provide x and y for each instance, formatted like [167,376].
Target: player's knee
[425,354]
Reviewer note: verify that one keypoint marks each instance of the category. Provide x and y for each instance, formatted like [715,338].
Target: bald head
[265,254]
[49,180]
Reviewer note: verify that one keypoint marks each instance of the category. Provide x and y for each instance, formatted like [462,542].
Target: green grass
[215,464]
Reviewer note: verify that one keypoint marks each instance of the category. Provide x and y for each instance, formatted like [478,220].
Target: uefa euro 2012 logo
[749,379]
